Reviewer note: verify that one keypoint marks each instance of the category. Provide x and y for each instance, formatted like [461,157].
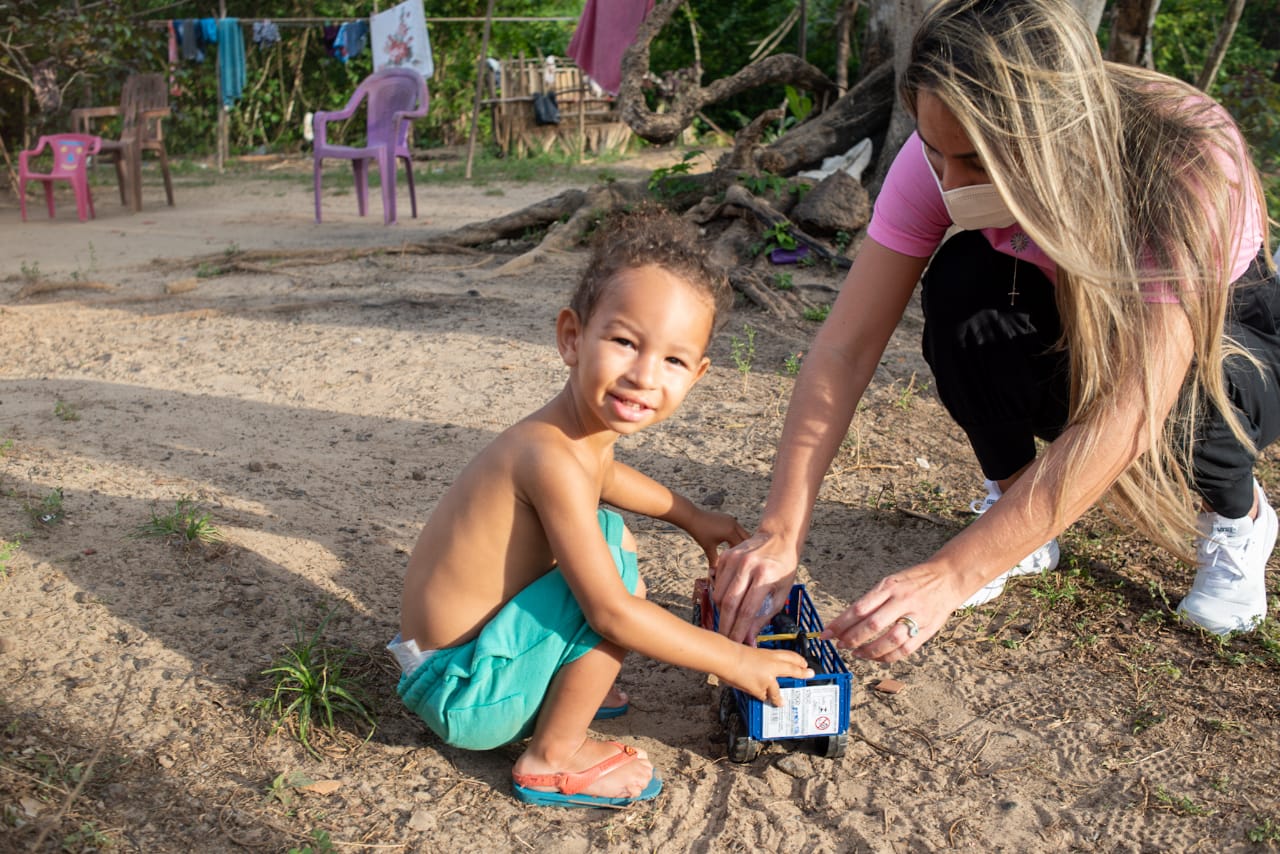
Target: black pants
[998,374]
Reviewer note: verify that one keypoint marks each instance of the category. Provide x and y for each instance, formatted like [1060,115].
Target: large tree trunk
[878,38]
[1131,22]
[692,96]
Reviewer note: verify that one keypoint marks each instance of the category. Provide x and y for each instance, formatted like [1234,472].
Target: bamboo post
[480,71]
[223,144]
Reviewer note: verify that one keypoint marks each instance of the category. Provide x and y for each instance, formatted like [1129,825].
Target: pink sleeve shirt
[909,217]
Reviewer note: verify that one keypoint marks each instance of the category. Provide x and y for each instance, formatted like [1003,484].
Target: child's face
[641,350]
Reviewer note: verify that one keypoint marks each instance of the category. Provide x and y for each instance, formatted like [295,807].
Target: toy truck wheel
[742,747]
[832,747]
[728,705]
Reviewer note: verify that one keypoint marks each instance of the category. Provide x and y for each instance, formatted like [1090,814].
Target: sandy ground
[315,413]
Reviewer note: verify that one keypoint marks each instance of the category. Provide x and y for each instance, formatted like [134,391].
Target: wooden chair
[144,104]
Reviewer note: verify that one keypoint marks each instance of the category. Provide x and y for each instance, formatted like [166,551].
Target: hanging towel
[231,60]
[604,32]
[208,28]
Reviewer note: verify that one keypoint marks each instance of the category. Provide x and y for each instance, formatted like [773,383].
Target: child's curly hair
[650,235]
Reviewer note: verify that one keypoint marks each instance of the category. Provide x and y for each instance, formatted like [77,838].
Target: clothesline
[311,22]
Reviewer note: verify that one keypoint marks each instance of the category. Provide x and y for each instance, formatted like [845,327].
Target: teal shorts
[487,692]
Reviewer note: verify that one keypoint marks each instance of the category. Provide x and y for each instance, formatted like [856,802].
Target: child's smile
[641,349]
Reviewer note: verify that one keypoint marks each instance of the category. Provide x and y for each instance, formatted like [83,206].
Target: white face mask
[975,206]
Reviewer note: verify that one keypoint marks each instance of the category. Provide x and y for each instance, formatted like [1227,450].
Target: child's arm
[566,498]
[628,489]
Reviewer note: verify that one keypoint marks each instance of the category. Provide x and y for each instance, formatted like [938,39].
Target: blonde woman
[1105,288]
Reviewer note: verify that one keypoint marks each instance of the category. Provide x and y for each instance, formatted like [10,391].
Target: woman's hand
[751,583]
[898,615]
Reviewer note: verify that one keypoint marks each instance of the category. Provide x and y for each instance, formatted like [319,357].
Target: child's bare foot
[602,769]
[616,697]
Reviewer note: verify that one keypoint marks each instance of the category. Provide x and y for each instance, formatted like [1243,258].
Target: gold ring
[913,628]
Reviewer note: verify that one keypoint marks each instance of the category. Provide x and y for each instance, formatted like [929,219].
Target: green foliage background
[95,44]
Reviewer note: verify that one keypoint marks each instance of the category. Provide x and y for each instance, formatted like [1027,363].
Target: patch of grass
[1181,804]
[743,350]
[1267,830]
[49,511]
[65,411]
[907,396]
[187,523]
[205,270]
[818,313]
[8,548]
[765,183]
[320,844]
[311,690]
[671,181]
[783,281]
[1144,718]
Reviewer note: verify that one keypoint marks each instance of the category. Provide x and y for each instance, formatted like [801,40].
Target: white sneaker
[1041,560]
[1230,590]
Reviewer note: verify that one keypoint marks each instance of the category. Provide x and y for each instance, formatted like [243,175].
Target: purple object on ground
[788,256]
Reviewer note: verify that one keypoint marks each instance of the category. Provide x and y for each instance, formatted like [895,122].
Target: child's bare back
[485,542]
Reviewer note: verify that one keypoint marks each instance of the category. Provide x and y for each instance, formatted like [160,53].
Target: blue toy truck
[815,709]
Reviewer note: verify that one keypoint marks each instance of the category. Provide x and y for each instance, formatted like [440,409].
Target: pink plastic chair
[71,151]
[394,97]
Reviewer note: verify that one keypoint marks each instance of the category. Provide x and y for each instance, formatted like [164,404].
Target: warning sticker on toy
[813,710]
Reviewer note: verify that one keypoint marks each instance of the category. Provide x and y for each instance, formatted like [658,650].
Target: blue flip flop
[606,712]
[570,786]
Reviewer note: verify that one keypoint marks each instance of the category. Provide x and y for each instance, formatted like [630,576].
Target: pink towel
[605,31]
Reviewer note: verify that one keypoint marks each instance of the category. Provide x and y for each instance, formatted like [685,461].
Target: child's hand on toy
[713,529]
[758,671]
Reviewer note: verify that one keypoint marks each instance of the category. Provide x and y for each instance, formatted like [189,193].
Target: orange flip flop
[570,785]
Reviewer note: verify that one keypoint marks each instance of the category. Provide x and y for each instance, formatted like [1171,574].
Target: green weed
[777,236]
[783,281]
[743,350]
[49,511]
[818,313]
[311,689]
[1267,831]
[320,844]
[1180,804]
[763,184]
[30,272]
[65,411]
[186,523]
[842,241]
[791,364]
[674,180]
[8,548]
[87,838]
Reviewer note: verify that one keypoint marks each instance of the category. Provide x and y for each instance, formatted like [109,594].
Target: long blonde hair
[1128,180]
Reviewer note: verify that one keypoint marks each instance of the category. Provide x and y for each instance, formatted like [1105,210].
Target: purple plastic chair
[394,97]
[70,153]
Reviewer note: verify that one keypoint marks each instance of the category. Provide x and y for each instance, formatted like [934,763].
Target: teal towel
[231,60]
